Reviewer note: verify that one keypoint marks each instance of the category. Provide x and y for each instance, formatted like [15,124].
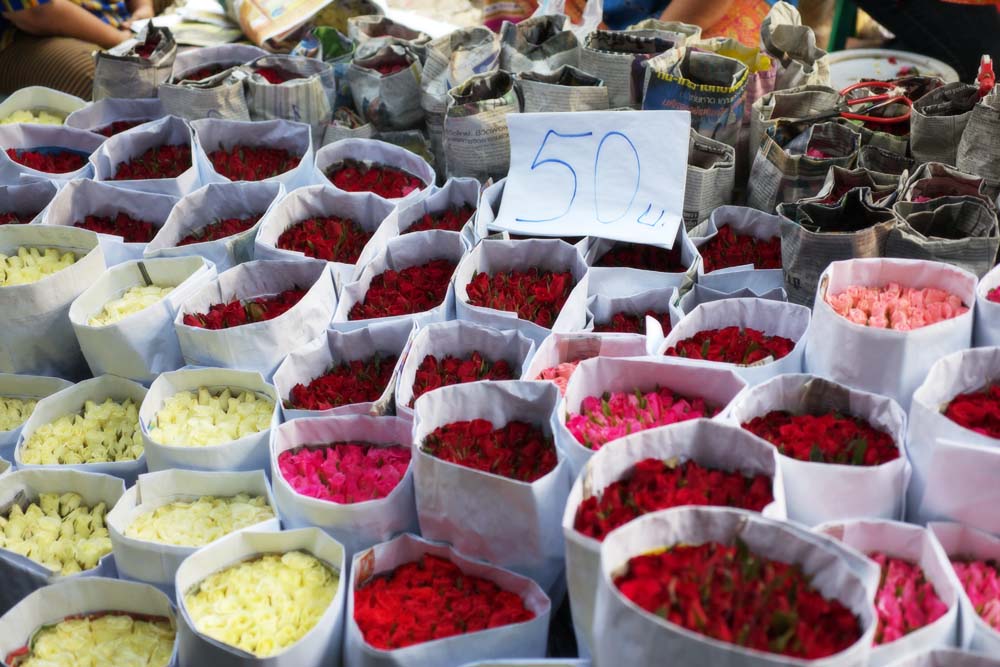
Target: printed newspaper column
[476,142]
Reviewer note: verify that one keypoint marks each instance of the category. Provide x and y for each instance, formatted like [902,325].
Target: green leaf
[860,448]
[816,454]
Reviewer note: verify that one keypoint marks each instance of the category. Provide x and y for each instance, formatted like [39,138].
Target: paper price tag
[611,174]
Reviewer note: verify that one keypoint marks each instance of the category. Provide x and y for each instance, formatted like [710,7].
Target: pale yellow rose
[205,419]
[15,411]
[263,605]
[32,264]
[47,532]
[111,640]
[37,116]
[132,301]
[105,432]
[196,523]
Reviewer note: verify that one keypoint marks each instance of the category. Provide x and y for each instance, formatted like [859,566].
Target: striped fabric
[61,63]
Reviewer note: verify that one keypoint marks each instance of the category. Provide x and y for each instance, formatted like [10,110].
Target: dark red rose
[205,72]
[146,48]
[831,437]
[993,295]
[451,220]
[51,162]
[168,161]
[518,450]
[15,218]
[237,313]
[535,295]
[390,66]
[120,126]
[333,239]
[349,382]
[728,248]
[388,182]
[623,322]
[977,411]
[639,256]
[127,227]
[277,75]
[252,163]
[411,290]
[219,230]
[433,372]
[732,345]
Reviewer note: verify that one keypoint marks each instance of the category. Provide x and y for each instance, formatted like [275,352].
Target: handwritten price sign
[611,174]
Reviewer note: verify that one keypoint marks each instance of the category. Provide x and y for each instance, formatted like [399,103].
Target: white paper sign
[611,174]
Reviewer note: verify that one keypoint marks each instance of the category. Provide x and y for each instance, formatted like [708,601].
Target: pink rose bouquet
[906,601]
[981,581]
[344,472]
[559,374]
[896,307]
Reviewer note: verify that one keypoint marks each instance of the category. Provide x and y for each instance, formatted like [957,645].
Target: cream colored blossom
[110,640]
[58,531]
[38,116]
[195,523]
[131,302]
[15,411]
[202,419]
[104,432]
[32,264]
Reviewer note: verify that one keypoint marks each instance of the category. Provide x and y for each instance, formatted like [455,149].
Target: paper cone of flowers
[943,657]
[698,462]
[46,153]
[452,208]
[112,116]
[208,419]
[507,615]
[95,621]
[388,171]
[23,204]
[841,450]
[152,157]
[816,610]
[987,324]
[556,358]
[350,475]
[263,598]
[19,395]
[53,529]
[168,515]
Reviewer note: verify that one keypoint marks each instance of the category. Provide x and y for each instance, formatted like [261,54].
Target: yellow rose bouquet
[132,301]
[36,116]
[19,395]
[15,411]
[205,417]
[195,523]
[31,264]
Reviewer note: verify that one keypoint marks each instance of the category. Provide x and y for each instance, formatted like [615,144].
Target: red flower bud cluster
[14,218]
[433,373]
[414,289]
[120,126]
[237,313]
[623,322]
[535,295]
[333,239]
[145,50]
[518,450]
[277,75]
[168,161]
[252,163]
[391,67]
[977,411]
[831,437]
[428,599]
[641,256]
[732,345]
[205,72]
[385,181]
[358,381]
[125,226]
[51,162]
[727,248]
[219,230]
[993,295]
[451,220]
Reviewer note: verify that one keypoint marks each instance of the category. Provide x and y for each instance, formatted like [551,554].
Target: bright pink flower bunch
[981,581]
[905,601]
[559,374]
[614,415]
[896,307]
[344,472]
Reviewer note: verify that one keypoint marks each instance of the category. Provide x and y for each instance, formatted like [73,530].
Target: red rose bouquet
[732,345]
[518,450]
[120,126]
[14,218]
[655,485]
[276,75]
[333,239]
[429,599]
[730,594]
[727,249]
[535,295]
[414,289]
[252,163]
[359,381]
[623,322]
[906,601]
[993,295]
[168,161]
[219,230]
[433,372]
[451,220]
[51,162]
[831,437]
[977,411]
[237,313]
[388,67]
[640,256]
[145,49]
[205,72]
[344,472]
[130,229]
[385,181]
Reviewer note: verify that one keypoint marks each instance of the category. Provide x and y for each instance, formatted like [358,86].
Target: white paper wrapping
[40,98]
[259,346]
[319,647]
[602,307]
[33,387]
[374,152]
[5,467]
[954,468]
[744,222]
[71,401]
[212,203]
[22,136]
[559,348]
[986,331]
[521,640]
[774,318]
[631,637]
[323,201]
[212,134]
[35,333]
[308,99]
[728,286]
[458,339]
[98,115]
[547,255]
[247,453]
[80,596]
[510,523]
[356,526]
[399,253]
[29,199]
[156,563]
[563,662]
[80,198]
[708,443]
[22,575]
[820,492]
[885,361]
[455,193]
[620,280]
[947,658]
[134,142]
[963,543]
[916,545]
[332,348]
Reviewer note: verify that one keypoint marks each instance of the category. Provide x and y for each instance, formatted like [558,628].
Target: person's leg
[957,34]
[61,63]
